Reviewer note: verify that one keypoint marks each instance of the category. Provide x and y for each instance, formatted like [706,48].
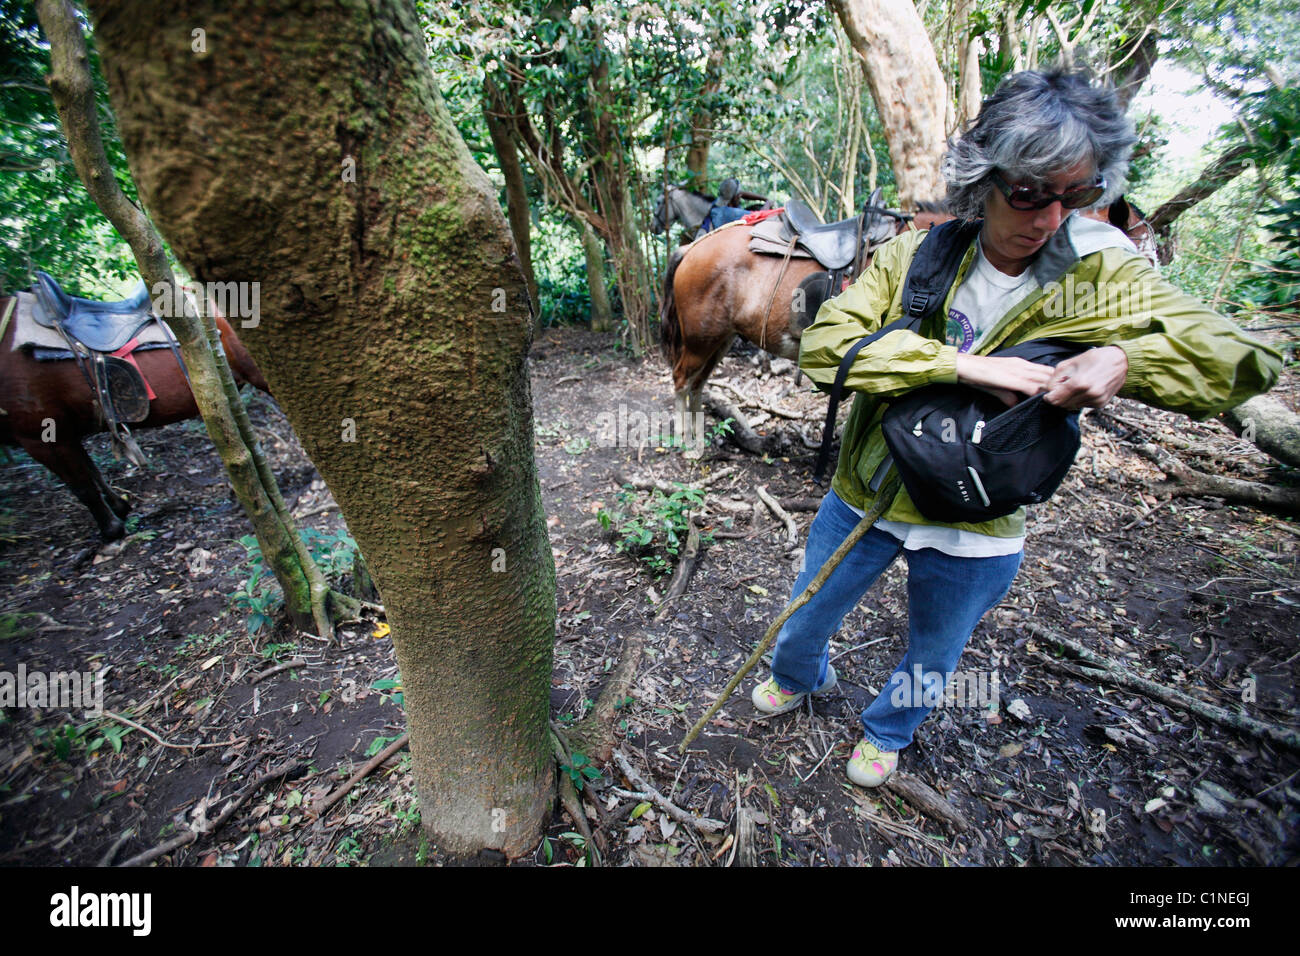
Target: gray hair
[1033,126]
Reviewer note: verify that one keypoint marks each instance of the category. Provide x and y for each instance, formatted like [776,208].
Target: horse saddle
[99,326]
[835,244]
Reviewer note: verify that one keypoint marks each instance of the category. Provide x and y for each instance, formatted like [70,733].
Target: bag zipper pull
[979,428]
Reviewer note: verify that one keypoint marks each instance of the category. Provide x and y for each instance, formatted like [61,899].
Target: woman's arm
[893,364]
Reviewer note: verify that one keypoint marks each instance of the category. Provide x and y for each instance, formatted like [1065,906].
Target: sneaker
[770,698]
[869,766]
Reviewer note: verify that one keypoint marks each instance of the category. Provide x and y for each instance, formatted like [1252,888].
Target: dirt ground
[1060,769]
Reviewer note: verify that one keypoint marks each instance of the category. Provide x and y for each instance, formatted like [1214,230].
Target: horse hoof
[112,530]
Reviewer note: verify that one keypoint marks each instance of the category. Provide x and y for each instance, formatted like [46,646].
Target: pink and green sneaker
[869,766]
[770,697]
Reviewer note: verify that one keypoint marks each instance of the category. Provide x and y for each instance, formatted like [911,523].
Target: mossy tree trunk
[306,147]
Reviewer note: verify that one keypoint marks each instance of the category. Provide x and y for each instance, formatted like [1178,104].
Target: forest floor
[1052,767]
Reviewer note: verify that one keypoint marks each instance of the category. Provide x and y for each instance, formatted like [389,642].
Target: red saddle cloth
[750,218]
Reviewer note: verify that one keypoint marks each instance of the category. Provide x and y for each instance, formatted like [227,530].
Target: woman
[1043,146]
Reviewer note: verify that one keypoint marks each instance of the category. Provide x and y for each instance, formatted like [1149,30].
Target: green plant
[258,596]
[348,852]
[396,696]
[333,552]
[378,744]
[721,429]
[580,770]
[657,534]
[12,626]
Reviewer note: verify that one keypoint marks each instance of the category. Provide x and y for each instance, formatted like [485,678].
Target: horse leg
[693,395]
[68,459]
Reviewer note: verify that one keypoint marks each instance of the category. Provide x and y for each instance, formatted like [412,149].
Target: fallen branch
[741,432]
[792,533]
[926,799]
[703,824]
[1102,669]
[1187,482]
[682,576]
[190,836]
[807,503]
[278,668]
[759,403]
[153,736]
[318,809]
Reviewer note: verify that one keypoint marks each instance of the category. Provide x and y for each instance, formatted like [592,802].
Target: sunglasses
[1024,198]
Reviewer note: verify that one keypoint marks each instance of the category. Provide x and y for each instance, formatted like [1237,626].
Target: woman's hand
[1089,380]
[1008,378]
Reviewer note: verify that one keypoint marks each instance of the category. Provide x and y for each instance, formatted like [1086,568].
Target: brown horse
[40,400]
[714,290]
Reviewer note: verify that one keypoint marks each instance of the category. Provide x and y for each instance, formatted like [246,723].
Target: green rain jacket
[1181,355]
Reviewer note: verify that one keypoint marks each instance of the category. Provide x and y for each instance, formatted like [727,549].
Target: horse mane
[696,193]
[670,326]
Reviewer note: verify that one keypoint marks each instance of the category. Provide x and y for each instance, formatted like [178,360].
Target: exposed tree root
[1101,669]
[1273,427]
[568,793]
[741,432]
[682,576]
[594,734]
[1187,482]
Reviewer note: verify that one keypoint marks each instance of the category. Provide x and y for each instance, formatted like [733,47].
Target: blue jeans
[946,598]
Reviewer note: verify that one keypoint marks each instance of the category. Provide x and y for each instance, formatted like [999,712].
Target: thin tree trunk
[516,197]
[702,119]
[396,340]
[601,316]
[306,594]
[970,95]
[906,86]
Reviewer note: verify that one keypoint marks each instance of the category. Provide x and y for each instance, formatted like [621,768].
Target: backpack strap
[929,277]
[842,373]
[934,267]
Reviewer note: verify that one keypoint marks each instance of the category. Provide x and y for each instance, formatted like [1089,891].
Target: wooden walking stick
[887,492]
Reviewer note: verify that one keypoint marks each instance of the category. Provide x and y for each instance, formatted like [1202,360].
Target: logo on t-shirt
[961,332]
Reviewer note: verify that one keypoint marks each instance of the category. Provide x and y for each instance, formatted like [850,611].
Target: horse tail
[670,325]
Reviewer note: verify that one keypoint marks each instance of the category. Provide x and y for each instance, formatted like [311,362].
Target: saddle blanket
[771,237]
[48,345]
